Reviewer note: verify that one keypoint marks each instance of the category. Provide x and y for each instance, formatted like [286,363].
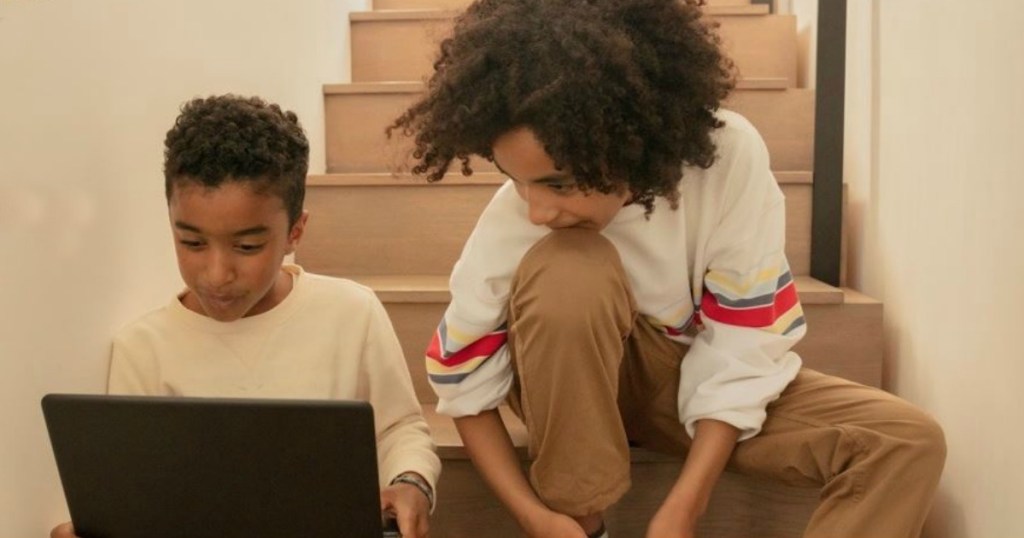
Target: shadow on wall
[947,518]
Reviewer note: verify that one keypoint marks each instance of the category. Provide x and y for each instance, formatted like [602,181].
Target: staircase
[399,236]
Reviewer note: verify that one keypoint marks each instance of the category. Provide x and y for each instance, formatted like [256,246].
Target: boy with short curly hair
[249,326]
[628,284]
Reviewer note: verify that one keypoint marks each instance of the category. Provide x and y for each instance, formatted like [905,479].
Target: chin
[222,316]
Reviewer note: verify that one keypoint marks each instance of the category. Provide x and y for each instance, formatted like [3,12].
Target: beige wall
[87,90]
[934,160]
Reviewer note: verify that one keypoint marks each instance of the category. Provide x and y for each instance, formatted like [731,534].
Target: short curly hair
[620,92]
[231,138]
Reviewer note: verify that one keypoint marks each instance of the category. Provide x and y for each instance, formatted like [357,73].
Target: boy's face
[552,195]
[230,242]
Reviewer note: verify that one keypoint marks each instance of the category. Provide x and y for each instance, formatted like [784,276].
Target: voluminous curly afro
[231,138]
[620,92]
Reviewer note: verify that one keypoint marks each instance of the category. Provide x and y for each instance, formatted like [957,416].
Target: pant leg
[572,320]
[570,309]
[877,457]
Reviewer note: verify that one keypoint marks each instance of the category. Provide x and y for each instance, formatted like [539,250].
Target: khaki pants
[591,377]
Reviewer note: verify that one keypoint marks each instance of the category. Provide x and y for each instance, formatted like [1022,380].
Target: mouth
[581,224]
[220,301]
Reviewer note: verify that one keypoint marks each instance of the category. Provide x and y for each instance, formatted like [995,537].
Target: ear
[295,234]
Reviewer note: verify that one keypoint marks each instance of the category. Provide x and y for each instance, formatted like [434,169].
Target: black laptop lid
[163,467]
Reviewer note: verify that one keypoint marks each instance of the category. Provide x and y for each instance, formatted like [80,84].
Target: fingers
[64,530]
[413,525]
[409,508]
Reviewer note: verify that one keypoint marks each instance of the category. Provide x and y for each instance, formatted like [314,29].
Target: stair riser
[739,506]
[762,46]
[843,340]
[355,139]
[421,228]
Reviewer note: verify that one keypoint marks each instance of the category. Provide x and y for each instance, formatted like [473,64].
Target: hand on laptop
[64,530]
[409,506]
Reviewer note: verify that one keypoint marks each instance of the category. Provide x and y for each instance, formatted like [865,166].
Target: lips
[568,225]
[219,300]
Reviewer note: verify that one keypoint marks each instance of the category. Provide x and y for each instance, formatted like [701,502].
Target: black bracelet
[420,484]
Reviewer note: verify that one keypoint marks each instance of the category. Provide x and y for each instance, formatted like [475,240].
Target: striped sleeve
[453,354]
[469,370]
[746,300]
[467,361]
[768,301]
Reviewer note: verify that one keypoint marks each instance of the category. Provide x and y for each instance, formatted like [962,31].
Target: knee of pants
[569,278]
[930,445]
[916,446]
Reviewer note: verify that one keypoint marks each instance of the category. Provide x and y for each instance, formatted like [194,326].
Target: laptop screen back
[163,467]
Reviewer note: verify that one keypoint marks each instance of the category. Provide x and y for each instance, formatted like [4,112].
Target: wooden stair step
[844,327]
[400,45]
[739,506]
[376,224]
[356,116]
[434,289]
[380,5]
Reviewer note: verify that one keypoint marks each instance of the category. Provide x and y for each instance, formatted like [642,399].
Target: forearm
[490,447]
[713,443]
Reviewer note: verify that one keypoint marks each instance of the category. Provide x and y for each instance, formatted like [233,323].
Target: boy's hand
[410,507]
[64,530]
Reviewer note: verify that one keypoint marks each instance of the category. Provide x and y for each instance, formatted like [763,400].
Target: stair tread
[434,288]
[442,13]
[449,443]
[409,86]
[387,179]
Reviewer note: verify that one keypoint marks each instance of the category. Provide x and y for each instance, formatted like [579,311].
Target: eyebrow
[255,230]
[557,177]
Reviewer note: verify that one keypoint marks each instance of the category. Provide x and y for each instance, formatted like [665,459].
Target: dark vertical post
[827,208]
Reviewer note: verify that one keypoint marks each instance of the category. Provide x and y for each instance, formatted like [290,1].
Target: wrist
[417,481]
[686,506]
[533,518]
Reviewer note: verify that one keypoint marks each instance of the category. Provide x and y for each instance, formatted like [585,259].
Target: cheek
[264,267]
[188,265]
[604,212]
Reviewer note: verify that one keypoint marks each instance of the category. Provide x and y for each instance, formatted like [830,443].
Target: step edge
[753,10]
[753,84]
[450,447]
[387,179]
[434,288]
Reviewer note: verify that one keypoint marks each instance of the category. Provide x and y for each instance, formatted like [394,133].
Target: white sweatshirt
[714,268]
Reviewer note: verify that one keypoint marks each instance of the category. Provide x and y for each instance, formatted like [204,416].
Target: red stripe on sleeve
[764,316]
[482,347]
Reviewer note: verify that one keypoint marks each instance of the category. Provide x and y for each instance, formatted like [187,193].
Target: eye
[246,248]
[191,244]
[562,188]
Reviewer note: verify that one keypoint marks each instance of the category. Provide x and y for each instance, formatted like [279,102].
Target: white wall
[87,91]
[806,12]
[935,107]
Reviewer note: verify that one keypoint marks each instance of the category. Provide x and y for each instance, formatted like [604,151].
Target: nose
[220,268]
[542,209]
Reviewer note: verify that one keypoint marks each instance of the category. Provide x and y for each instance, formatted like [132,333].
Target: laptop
[170,467]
